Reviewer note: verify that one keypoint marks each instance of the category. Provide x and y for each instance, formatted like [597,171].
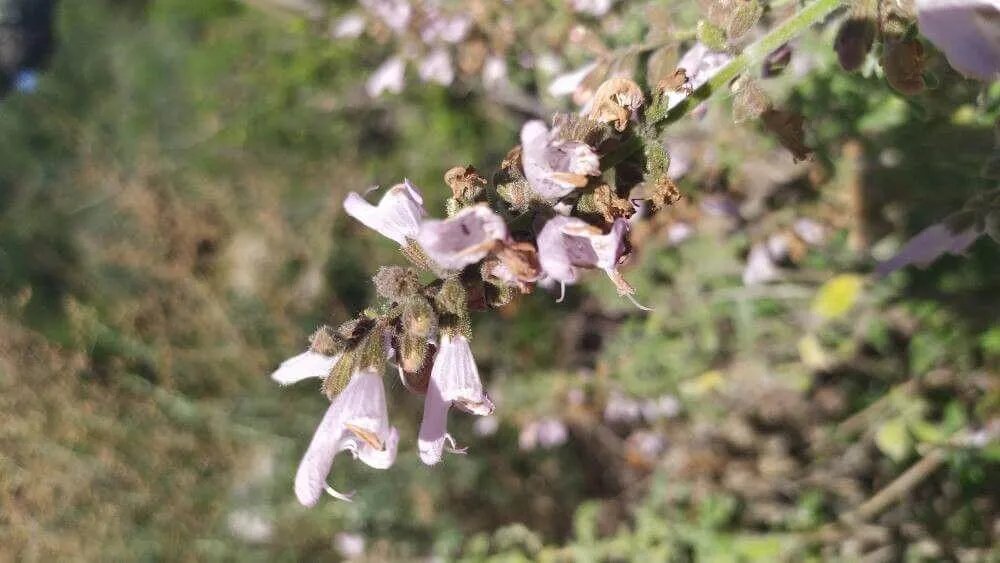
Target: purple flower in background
[464,239]
[567,245]
[393,13]
[494,71]
[436,67]
[761,267]
[439,27]
[357,421]
[567,83]
[348,27]
[967,32]
[454,382]
[388,77]
[596,8]
[397,215]
[305,365]
[929,245]
[555,167]
[546,433]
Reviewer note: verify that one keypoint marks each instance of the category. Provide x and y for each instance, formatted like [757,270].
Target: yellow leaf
[893,439]
[837,296]
[812,353]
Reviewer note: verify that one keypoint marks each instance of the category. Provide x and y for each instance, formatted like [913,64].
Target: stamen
[368,436]
[453,447]
[562,292]
[631,298]
[338,495]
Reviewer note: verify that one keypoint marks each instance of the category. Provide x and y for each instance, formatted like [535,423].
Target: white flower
[436,67]
[595,8]
[397,215]
[393,13]
[967,31]
[701,64]
[567,83]
[554,167]
[348,27]
[454,381]
[388,77]
[463,239]
[760,266]
[494,71]
[357,421]
[305,365]
[439,27]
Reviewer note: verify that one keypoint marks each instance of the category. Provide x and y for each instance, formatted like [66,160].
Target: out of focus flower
[388,77]
[440,27]
[357,421]
[250,526]
[397,215]
[486,426]
[621,409]
[667,406]
[809,231]
[348,27]
[436,67]
[305,365]
[929,245]
[393,13]
[464,239]
[454,382]
[349,546]
[566,84]
[678,233]
[595,8]
[555,167]
[546,433]
[761,267]
[966,31]
[494,71]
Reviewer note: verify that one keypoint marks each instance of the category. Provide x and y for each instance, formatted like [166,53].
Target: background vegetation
[171,230]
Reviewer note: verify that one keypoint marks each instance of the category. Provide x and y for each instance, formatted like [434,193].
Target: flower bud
[395,282]
[712,36]
[452,298]
[339,376]
[749,101]
[413,352]
[854,40]
[744,16]
[325,341]
[419,318]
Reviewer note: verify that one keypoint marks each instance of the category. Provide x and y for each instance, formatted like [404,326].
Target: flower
[454,381]
[568,244]
[555,167]
[494,71]
[929,245]
[700,64]
[357,421]
[567,83]
[463,239]
[388,77]
[348,27]
[305,365]
[436,67]
[966,31]
[397,215]
[596,8]
[394,13]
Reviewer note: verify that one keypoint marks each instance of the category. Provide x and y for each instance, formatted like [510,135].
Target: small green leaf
[893,439]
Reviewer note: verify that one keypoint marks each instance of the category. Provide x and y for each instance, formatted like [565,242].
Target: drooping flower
[567,245]
[305,365]
[966,31]
[436,67]
[397,215]
[454,382]
[463,239]
[388,77]
[552,166]
[357,421]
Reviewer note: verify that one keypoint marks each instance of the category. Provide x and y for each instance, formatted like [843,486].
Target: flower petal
[388,77]
[967,32]
[310,480]
[434,426]
[305,365]
[397,215]
[463,239]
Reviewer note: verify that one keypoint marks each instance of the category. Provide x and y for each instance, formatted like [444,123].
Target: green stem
[756,53]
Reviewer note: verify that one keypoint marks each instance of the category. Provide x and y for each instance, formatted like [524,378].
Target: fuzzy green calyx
[744,16]
[419,318]
[396,283]
[452,298]
[711,35]
[326,341]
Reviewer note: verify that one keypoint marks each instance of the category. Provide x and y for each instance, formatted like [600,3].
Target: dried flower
[397,215]
[464,239]
[454,382]
[555,167]
[615,102]
[903,62]
[854,40]
[357,421]
[967,31]
[465,182]
[788,127]
[388,77]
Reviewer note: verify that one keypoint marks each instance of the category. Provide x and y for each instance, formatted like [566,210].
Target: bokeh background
[172,229]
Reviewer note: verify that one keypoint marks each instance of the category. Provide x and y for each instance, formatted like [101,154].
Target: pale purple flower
[436,67]
[567,245]
[305,365]
[348,27]
[701,64]
[567,83]
[486,426]
[595,8]
[388,77]
[967,32]
[679,232]
[439,27]
[621,409]
[809,231]
[349,546]
[463,239]
[357,421]
[397,215]
[552,166]
[929,245]
[761,267]
[546,433]
[393,13]
[494,71]
[454,382]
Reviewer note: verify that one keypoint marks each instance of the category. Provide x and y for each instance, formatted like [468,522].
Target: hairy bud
[413,352]
[355,329]
[419,318]
[326,341]
[339,376]
[854,40]
[615,102]
[711,35]
[744,16]
[395,282]
[452,298]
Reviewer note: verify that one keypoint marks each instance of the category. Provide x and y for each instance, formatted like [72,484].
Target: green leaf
[893,439]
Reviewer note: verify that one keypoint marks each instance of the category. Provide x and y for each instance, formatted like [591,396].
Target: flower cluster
[549,214]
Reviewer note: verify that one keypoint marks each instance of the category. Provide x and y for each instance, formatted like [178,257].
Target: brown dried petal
[465,182]
[610,205]
[903,62]
[616,100]
[854,40]
[788,127]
